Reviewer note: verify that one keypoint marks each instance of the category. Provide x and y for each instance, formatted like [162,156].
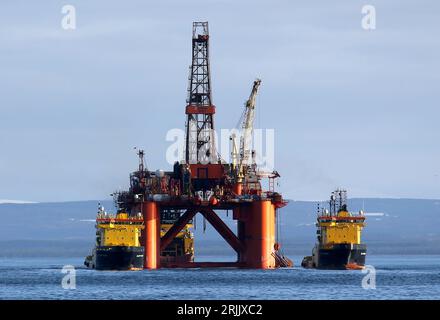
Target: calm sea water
[397,277]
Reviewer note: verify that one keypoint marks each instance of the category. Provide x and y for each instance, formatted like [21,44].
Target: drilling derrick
[200,144]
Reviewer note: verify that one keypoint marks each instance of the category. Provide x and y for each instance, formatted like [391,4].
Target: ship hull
[176,261]
[119,258]
[341,256]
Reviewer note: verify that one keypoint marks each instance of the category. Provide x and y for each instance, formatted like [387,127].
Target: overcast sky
[350,108]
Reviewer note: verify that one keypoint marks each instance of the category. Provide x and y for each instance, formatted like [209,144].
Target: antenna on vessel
[141,155]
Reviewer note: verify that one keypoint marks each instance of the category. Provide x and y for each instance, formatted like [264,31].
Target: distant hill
[400,226]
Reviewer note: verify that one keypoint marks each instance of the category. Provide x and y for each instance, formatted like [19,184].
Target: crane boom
[248,126]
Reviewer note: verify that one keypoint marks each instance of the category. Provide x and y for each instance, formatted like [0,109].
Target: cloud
[6,201]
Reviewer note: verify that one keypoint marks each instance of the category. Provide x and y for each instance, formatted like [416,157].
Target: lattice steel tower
[338,201]
[200,144]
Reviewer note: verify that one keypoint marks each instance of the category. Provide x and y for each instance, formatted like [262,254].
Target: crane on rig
[243,159]
[246,152]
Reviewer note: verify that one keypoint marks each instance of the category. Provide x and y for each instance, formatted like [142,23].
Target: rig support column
[151,215]
[259,225]
[241,234]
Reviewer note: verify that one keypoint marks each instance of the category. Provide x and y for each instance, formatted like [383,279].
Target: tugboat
[339,237]
[117,242]
[181,248]
[142,181]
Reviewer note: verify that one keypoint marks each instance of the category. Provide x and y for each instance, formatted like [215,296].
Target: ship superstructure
[339,232]
[118,244]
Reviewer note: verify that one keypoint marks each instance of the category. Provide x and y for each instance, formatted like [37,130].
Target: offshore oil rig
[167,201]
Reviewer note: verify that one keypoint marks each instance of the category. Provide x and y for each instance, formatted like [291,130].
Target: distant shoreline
[109,200]
[81,248]
[408,227]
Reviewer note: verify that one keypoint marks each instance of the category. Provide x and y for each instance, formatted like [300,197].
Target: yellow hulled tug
[119,237]
[117,242]
[338,237]
[181,248]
